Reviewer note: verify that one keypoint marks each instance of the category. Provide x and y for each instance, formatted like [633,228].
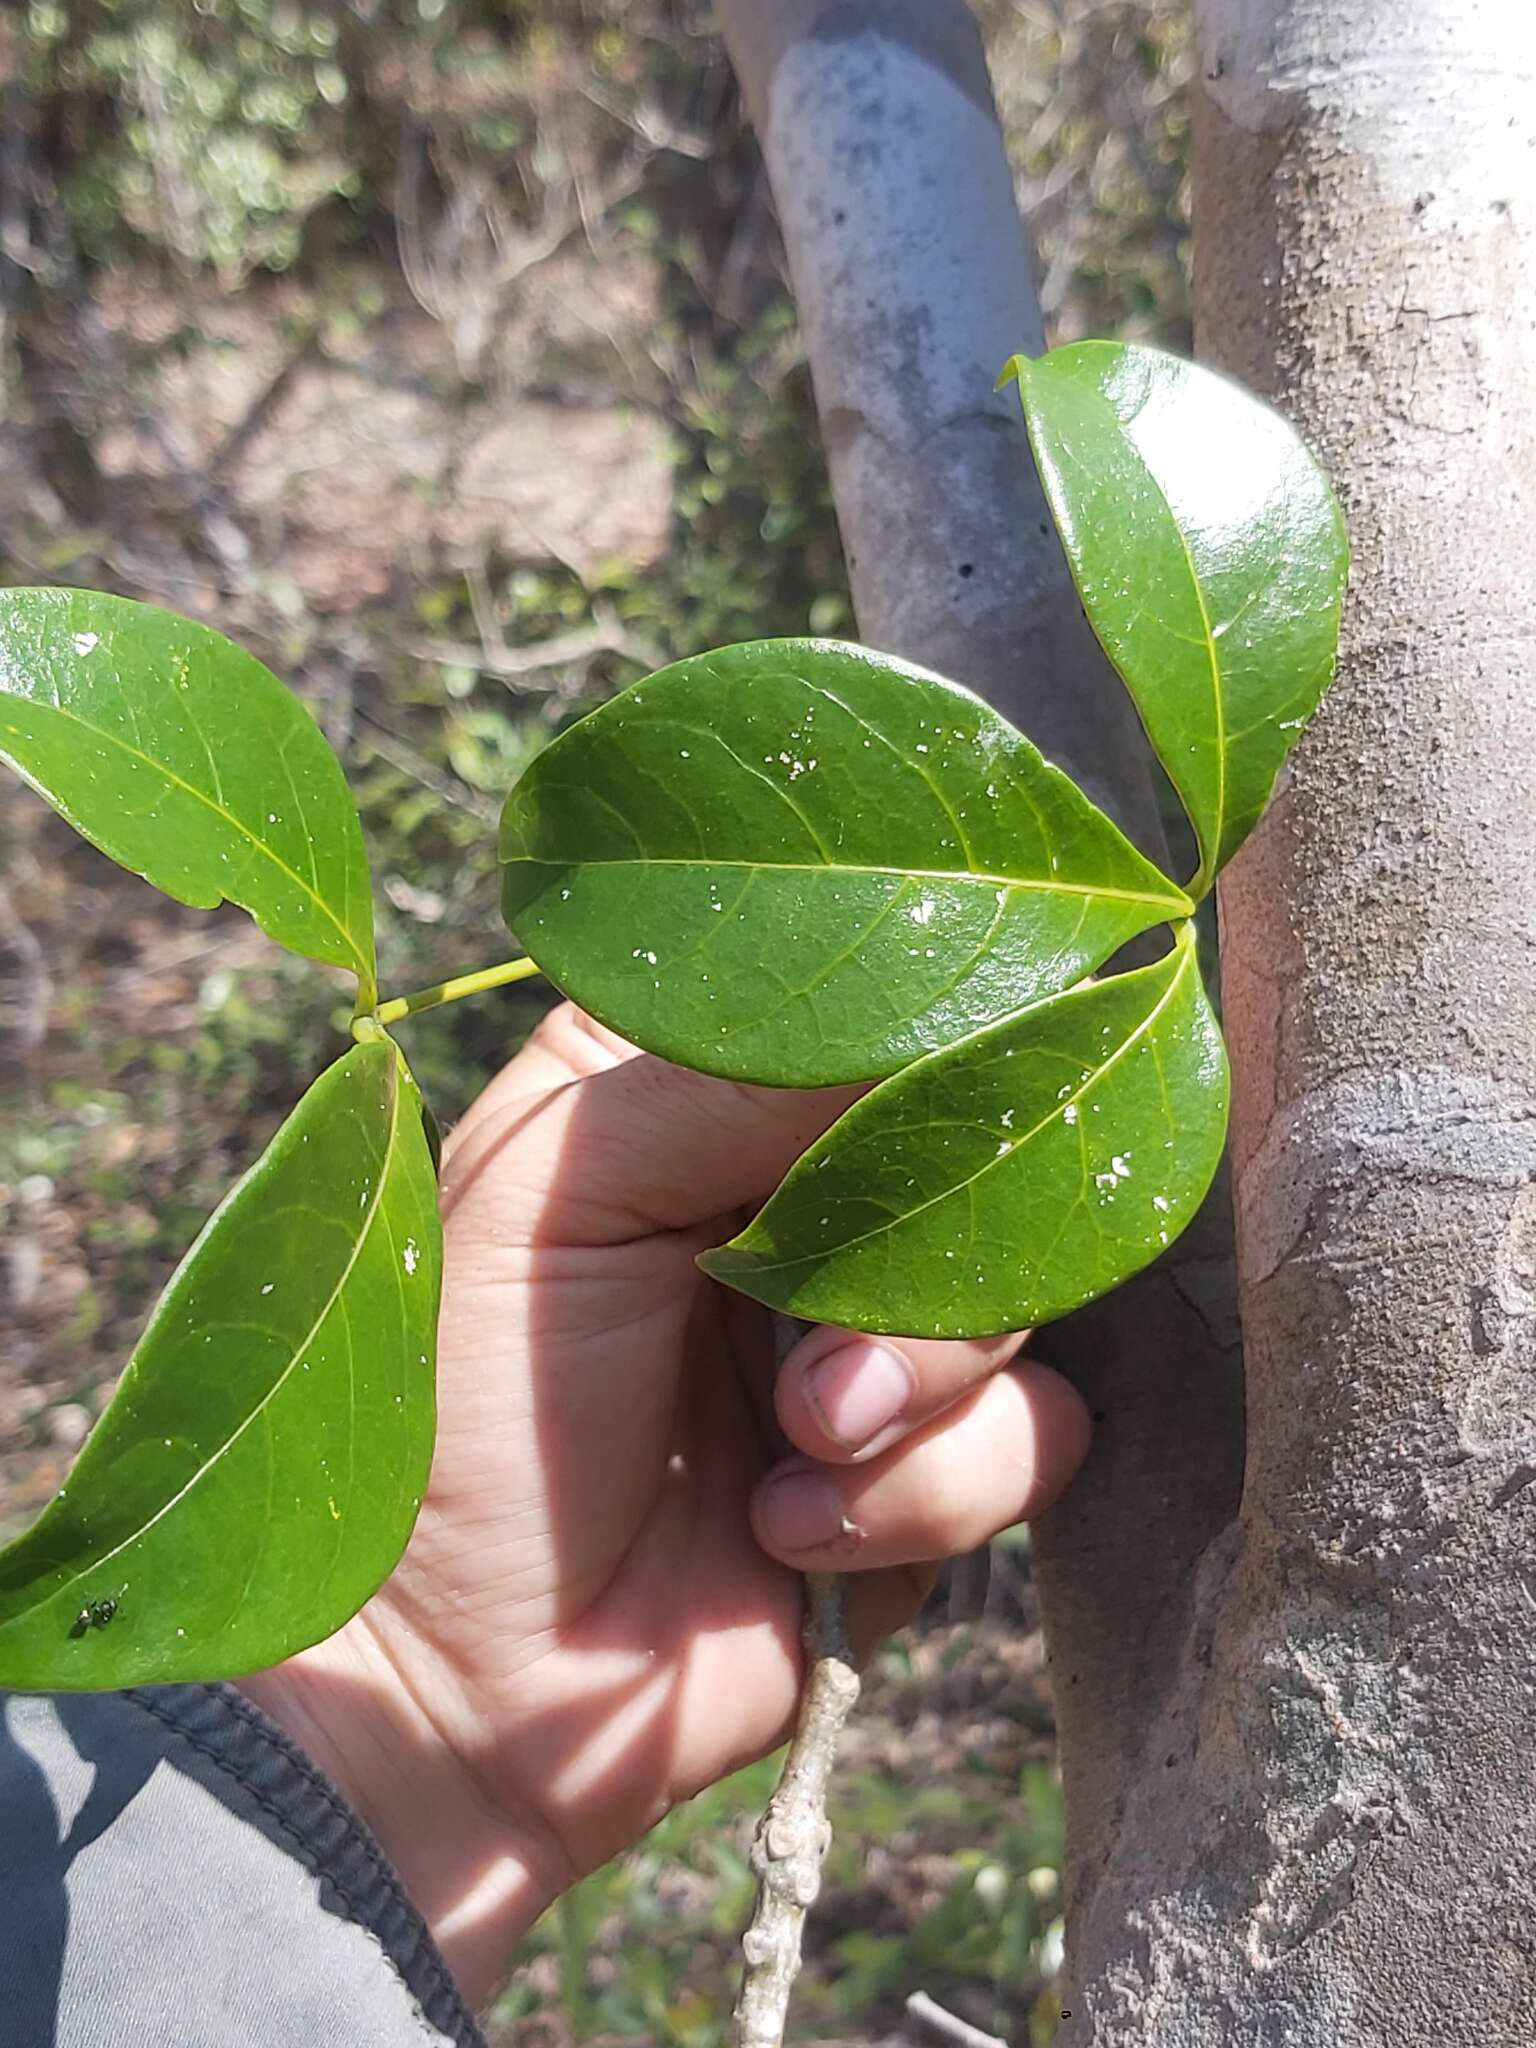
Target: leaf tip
[737,1267]
[725,1262]
[1012,372]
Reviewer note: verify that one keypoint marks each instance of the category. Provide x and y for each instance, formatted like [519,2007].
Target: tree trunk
[1334,1840]
[912,275]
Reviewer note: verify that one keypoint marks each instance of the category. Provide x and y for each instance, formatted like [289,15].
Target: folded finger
[583,1140]
[842,1397]
[999,1455]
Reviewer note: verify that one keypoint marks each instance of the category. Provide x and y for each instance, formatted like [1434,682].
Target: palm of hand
[599,1611]
[618,1629]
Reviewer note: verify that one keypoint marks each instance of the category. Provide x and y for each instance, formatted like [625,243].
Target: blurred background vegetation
[440,351]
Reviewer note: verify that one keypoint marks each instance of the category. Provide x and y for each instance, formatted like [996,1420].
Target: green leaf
[259,1470]
[1008,1179]
[798,862]
[183,758]
[1210,555]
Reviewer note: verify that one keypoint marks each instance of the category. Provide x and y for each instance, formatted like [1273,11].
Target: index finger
[843,1397]
[584,1140]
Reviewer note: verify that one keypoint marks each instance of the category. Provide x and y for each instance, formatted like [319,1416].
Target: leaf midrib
[197,1478]
[364,967]
[1211,854]
[999,1159]
[1177,903]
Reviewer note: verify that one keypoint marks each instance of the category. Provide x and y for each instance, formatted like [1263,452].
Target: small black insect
[96,1613]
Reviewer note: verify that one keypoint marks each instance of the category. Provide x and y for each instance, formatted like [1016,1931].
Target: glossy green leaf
[1210,556]
[259,1470]
[798,862]
[183,758]
[1008,1179]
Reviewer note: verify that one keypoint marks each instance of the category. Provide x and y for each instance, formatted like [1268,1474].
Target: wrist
[476,1875]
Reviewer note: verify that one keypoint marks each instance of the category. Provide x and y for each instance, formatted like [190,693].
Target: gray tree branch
[912,275]
[794,1834]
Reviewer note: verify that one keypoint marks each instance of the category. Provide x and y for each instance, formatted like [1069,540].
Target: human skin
[599,1612]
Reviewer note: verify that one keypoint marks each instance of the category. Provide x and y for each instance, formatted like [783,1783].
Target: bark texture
[911,270]
[1333,1840]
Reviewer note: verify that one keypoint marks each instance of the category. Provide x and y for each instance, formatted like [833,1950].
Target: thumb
[582,1139]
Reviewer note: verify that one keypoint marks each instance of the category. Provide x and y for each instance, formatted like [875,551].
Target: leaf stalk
[451,991]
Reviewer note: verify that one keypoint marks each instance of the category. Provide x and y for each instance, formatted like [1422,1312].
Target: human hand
[599,1611]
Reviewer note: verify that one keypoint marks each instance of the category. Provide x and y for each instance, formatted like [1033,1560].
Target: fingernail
[801,1510]
[858,1390]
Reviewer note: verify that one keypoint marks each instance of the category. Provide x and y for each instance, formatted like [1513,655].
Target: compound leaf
[798,862]
[1210,556]
[259,1469]
[183,758]
[1008,1179]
